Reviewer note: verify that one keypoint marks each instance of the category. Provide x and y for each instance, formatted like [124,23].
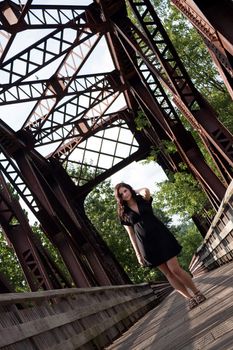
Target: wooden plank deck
[171,326]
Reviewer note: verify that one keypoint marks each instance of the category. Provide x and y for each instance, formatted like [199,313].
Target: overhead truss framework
[74,79]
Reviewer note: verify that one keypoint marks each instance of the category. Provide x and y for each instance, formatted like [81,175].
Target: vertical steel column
[85,248]
[18,231]
[51,222]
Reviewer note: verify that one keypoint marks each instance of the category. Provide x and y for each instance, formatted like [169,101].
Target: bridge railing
[74,318]
[217,247]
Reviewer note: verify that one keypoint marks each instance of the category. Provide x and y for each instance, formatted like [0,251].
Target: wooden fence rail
[74,318]
[217,247]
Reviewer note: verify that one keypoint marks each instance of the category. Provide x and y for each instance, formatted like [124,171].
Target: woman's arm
[133,241]
[144,192]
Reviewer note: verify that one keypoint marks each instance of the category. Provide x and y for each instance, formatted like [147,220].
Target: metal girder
[16,228]
[64,81]
[101,260]
[37,263]
[45,214]
[43,52]
[39,90]
[38,16]
[59,124]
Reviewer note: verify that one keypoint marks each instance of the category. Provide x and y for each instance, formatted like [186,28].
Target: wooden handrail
[217,246]
[73,317]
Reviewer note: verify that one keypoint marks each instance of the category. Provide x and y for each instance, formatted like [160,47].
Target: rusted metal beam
[19,234]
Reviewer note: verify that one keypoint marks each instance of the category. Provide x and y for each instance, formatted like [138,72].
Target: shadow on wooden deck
[171,326]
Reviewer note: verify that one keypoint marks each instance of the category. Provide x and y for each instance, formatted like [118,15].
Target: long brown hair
[121,205]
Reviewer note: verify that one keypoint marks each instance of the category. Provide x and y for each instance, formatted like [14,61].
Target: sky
[139,174]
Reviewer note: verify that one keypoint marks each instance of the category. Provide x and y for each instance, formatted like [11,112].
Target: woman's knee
[176,271]
[174,267]
[166,271]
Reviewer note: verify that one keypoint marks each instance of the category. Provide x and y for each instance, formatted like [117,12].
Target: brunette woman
[153,243]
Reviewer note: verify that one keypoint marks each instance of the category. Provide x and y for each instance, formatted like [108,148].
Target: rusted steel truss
[159,52]
[72,110]
[55,210]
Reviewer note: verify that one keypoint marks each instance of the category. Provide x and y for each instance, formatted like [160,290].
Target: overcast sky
[140,175]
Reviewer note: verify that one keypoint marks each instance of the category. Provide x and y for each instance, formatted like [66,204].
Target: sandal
[192,303]
[199,297]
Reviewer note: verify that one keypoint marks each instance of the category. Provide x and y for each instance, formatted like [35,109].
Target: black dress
[155,242]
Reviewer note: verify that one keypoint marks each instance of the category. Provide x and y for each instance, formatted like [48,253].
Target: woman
[153,243]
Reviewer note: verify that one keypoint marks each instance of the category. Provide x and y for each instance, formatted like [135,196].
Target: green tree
[181,194]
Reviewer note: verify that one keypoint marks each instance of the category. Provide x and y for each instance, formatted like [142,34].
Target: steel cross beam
[38,16]
[43,52]
[86,130]
[64,80]
[59,124]
[42,89]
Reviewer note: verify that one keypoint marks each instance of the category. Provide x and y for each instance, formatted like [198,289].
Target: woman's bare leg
[181,274]
[174,281]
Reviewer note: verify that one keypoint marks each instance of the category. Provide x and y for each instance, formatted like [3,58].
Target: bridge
[60,111]
[144,316]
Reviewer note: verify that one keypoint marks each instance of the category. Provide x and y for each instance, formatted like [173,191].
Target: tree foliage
[190,239]
[181,194]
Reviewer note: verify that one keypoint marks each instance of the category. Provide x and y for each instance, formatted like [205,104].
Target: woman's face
[125,193]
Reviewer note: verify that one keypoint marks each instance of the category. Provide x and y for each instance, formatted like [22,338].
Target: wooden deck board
[171,326]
